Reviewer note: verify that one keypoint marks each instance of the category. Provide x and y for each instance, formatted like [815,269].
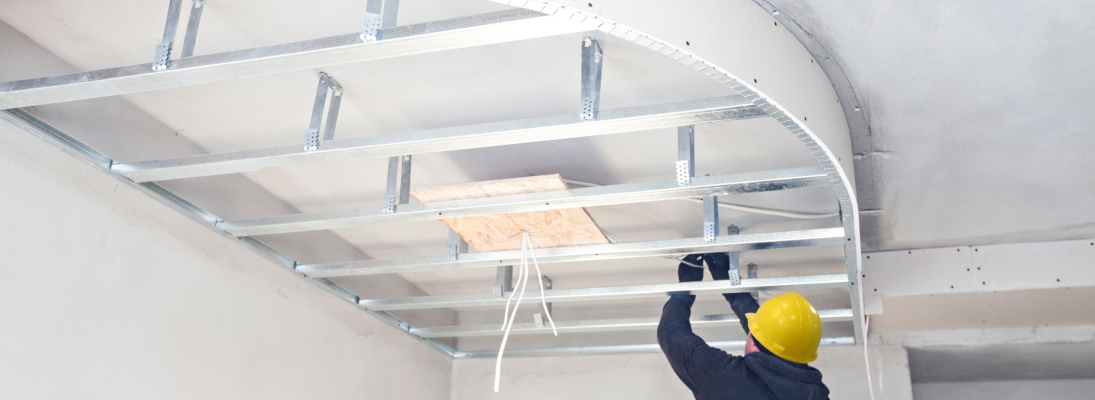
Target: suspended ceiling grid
[499,82]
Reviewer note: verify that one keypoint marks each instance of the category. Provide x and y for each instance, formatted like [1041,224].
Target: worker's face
[750,346]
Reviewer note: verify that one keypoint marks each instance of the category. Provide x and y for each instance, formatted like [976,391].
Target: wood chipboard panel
[555,228]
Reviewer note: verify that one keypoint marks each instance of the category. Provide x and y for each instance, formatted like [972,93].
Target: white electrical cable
[505,337]
[745,208]
[507,318]
[520,277]
[866,360]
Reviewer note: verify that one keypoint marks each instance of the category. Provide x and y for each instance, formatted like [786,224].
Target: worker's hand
[719,264]
[688,273]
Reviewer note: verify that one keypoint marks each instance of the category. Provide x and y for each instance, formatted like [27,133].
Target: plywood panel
[556,228]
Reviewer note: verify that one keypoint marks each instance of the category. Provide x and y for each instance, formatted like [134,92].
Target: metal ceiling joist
[454,34]
[756,241]
[492,134]
[607,325]
[450,34]
[615,293]
[47,133]
[622,349]
[574,198]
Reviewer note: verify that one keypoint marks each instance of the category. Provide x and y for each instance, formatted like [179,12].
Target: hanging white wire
[507,318]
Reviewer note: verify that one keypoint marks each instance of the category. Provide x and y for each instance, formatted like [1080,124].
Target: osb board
[555,228]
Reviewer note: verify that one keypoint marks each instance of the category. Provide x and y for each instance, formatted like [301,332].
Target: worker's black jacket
[713,374]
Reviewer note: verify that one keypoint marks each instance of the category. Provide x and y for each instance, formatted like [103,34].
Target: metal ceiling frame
[752,182]
[604,325]
[448,139]
[532,19]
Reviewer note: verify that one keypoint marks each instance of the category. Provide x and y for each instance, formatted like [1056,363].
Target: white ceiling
[1003,363]
[979,112]
[980,115]
[500,82]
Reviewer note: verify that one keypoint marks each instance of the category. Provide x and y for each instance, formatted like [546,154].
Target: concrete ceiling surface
[980,123]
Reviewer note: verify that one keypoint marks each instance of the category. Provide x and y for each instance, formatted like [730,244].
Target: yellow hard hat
[788,326]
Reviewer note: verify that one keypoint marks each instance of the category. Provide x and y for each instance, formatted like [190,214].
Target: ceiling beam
[755,241]
[615,293]
[619,349]
[607,325]
[490,134]
[428,37]
[574,198]
[985,268]
[1022,335]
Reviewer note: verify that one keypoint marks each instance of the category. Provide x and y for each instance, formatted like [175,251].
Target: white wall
[1076,389]
[648,376]
[107,293]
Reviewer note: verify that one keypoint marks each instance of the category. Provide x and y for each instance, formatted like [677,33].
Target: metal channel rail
[400,41]
[448,139]
[603,325]
[531,19]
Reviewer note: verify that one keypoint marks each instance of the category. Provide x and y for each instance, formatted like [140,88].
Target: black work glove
[688,273]
[719,264]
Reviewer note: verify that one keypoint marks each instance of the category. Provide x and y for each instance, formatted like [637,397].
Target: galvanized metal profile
[615,293]
[191,37]
[162,59]
[592,59]
[710,218]
[605,325]
[332,109]
[448,139]
[573,198]
[686,154]
[845,195]
[622,349]
[390,14]
[100,161]
[371,29]
[311,136]
[428,37]
[503,280]
[756,241]
[457,245]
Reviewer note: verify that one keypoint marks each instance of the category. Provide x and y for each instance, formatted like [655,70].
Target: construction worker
[782,336]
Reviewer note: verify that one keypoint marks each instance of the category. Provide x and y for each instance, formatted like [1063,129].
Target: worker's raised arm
[742,303]
[691,358]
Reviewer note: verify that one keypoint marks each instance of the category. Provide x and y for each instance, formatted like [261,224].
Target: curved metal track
[849,210]
[543,15]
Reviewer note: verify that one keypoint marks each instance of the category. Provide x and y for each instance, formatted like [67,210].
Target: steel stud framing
[380,39]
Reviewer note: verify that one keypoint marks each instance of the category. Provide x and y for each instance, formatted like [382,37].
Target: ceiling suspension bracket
[458,246]
[751,273]
[371,30]
[686,155]
[162,59]
[192,28]
[591,78]
[399,183]
[710,218]
[311,136]
[503,281]
[391,11]
[538,318]
[735,256]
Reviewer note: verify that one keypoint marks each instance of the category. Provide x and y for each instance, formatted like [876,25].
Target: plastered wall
[1070,389]
[649,376]
[107,293]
